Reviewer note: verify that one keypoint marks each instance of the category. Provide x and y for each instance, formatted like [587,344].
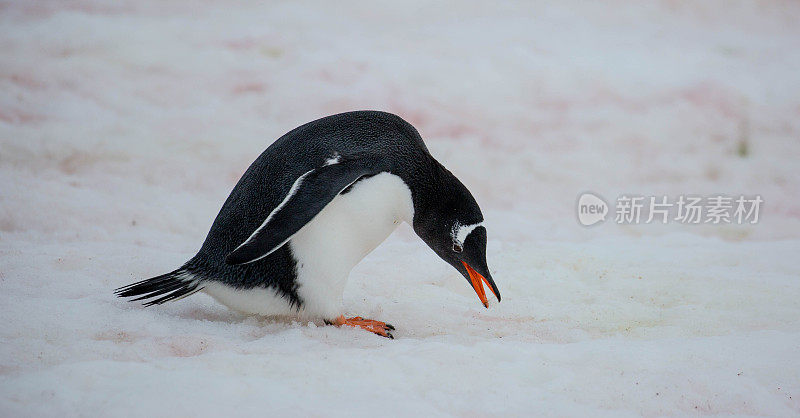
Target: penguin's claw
[371,325]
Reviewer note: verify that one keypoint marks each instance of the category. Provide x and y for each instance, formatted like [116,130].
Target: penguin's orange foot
[381,328]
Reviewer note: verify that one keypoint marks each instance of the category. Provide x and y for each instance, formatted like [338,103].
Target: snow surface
[124,125]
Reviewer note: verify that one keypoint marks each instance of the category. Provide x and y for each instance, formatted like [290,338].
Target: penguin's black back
[389,138]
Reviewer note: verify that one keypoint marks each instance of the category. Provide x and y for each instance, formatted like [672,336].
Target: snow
[124,125]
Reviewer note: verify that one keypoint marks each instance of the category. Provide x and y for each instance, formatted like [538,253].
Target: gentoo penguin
[317,201]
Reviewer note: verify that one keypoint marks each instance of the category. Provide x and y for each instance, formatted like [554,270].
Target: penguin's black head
[451,223]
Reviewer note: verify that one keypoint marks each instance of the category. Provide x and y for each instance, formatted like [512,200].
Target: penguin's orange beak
[477,281]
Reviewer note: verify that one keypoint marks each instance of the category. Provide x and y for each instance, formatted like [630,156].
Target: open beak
[477,281]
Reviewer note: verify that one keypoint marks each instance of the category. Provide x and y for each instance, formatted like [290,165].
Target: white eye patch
[461,232]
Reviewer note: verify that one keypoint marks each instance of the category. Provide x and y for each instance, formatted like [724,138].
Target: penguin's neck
[427,184]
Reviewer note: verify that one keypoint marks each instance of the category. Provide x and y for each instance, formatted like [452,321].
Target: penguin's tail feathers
[164,288]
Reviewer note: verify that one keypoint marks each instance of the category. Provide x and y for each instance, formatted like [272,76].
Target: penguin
[311,206]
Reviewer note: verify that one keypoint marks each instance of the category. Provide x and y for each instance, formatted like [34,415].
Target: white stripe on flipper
[461,232]
[292,191]
[295,187]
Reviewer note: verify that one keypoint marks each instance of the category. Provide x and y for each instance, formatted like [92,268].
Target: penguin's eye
[457,248]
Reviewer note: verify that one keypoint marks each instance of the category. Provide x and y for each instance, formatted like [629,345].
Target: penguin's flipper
[309,194]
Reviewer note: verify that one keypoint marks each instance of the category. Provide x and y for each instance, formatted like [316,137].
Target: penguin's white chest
[329,246]
[342,234]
